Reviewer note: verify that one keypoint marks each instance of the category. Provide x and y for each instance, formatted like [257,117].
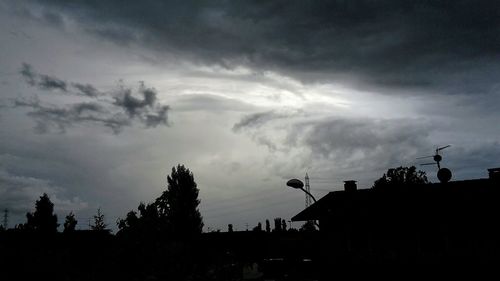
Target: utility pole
[6,218]
[308,189]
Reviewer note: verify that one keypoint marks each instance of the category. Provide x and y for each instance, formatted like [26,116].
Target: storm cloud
[445,46]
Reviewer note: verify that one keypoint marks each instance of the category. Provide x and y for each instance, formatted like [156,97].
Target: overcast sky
[100,99]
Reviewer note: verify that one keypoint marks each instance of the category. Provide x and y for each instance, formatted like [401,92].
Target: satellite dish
[444,175]
[438,158]
[295,183]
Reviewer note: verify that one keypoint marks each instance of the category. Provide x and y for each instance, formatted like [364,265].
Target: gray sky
[100,99]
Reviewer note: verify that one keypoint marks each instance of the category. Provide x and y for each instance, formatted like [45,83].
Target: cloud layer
[447,46]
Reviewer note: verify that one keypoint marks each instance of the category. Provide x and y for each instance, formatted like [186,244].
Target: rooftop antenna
[443,174]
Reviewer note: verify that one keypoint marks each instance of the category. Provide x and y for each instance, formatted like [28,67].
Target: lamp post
[298,184]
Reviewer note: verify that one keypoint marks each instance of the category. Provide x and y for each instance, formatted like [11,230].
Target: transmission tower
[308,189]
[5,218]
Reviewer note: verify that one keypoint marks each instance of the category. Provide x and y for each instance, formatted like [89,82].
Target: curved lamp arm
[308,193]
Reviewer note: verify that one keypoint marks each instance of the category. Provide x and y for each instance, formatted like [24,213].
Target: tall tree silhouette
[70,223]
[43,219]
[277,225]
[400,176]
[283,225]
[99,223]
[179,203]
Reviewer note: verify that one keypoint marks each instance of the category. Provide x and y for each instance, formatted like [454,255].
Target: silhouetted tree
[277,224]
[283,225]
[99,221]
[230,227]
[43,219]
[175,213]
[268,226]
[399,177]
[179,203]
[70,223]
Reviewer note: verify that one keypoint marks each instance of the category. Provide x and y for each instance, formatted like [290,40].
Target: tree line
[174,212]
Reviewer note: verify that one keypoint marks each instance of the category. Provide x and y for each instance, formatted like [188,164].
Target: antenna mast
[308,189]
[6,218]
[444,174]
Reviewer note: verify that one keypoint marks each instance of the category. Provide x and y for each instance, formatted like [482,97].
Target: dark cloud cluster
[116,114]
[133,105]
[447,46]
[147,109]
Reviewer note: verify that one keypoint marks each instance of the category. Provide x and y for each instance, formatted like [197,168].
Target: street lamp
[298,184]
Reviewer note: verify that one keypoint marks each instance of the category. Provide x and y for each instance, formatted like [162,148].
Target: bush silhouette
[400,177]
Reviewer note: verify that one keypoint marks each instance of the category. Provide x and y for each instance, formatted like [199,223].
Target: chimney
[494,173]
[350,186]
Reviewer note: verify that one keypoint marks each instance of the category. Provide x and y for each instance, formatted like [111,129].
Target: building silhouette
[438,223]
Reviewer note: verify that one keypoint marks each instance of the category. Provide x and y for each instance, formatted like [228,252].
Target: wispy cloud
[42,81]
[114,110]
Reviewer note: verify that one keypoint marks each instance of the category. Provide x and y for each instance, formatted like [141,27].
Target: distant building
[433,223]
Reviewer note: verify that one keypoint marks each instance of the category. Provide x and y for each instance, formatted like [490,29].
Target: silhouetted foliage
[277,225]
[174,213]
[70,223]
[148,224]
[258,227]
[400,177]
[179,203]
[99,223]
[283,225]
[268,226]
[230,227]
[43,219]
